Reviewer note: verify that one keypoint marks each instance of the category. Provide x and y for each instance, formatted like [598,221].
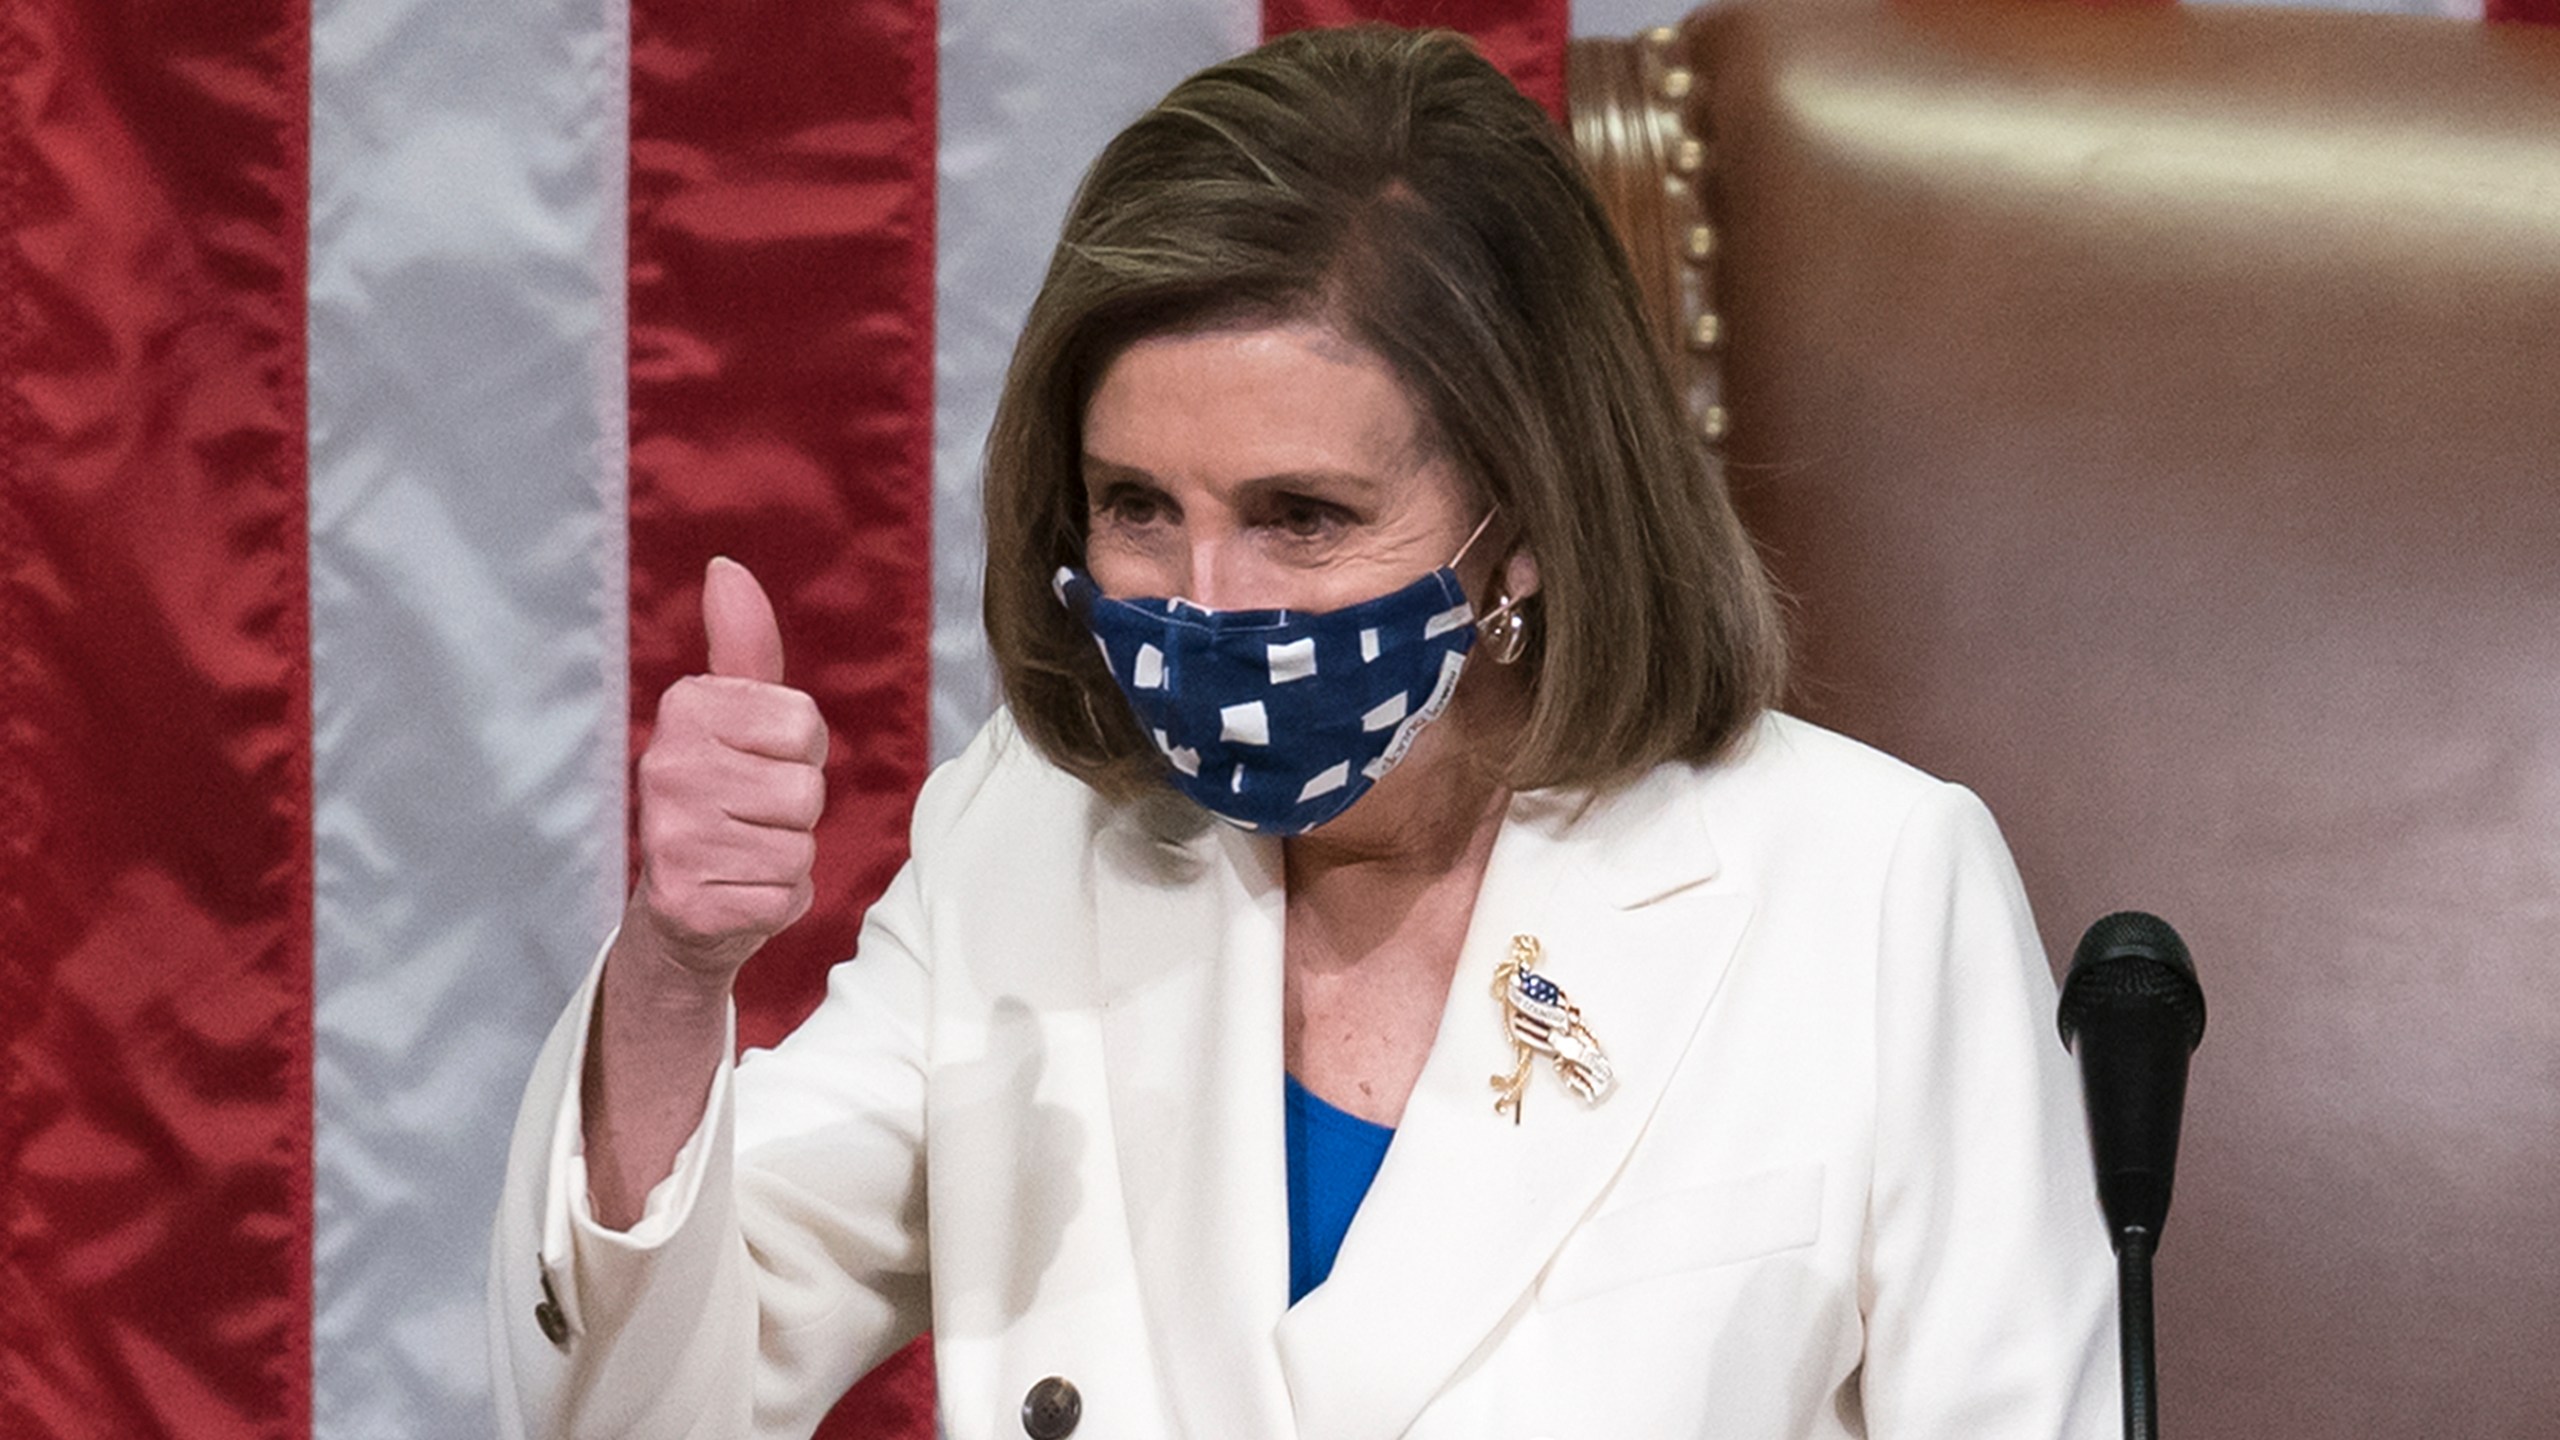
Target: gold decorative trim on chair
[1633,105]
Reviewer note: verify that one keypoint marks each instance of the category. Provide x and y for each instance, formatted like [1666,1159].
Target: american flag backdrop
[376,377]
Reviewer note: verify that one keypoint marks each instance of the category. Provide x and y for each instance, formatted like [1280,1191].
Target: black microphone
[2132,1012]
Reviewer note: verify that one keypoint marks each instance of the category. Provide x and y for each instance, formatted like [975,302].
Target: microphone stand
[2133,1322]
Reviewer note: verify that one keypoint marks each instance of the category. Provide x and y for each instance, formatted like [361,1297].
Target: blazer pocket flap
[1695,1229]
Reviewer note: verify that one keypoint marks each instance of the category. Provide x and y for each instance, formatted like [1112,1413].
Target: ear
[1520,573]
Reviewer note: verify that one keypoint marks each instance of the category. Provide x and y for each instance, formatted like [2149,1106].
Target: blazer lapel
[1469,1207]
[1188,919]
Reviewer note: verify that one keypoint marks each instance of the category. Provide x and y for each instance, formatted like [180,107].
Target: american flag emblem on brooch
[1542,1021]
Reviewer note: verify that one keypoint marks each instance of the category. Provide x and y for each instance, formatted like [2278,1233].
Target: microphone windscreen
[2130,959]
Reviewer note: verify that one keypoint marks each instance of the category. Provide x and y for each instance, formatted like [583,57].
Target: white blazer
[1842,1187]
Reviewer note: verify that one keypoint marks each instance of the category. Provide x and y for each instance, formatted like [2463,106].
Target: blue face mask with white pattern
[1277,720]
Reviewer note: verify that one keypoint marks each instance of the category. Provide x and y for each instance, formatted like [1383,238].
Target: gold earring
[1505,630]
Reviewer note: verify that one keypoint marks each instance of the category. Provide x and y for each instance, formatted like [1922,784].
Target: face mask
[1277,720]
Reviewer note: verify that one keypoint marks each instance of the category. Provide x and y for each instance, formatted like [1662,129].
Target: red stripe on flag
[781,291]
[2528,12]
[781,399]
[1525,39]
[155,788]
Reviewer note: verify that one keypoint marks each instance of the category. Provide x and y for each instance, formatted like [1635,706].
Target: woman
[1699,1056]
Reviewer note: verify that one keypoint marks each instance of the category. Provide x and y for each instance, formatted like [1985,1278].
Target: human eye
[1307,519]
[1124,506]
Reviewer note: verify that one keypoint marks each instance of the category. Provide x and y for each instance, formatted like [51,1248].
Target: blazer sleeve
[1988,1282]
[783,1257]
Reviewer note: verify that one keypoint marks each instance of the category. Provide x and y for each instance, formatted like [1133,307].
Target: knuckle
[808,730]
[672,765]
[657,766]
[681,700]
[810,799]
[799,856]
[672,904]
[669,817]
[660,837]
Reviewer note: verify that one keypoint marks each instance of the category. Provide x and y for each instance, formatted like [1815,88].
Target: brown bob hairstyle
[1396,187]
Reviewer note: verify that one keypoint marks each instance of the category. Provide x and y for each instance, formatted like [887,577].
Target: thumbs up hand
[730,791]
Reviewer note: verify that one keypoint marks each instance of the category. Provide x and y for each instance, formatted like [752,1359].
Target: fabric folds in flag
[155,853]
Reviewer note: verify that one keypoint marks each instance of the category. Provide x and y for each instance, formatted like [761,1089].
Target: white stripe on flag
[1025,107]
[467,591]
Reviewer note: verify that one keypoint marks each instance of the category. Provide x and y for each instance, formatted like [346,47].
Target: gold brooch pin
[1541,1021]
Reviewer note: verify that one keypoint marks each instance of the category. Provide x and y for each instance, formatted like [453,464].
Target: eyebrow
[1102,473]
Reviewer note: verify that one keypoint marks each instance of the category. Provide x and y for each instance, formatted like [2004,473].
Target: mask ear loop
[1472,537]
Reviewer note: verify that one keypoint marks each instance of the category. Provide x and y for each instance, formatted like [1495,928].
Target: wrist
[649,974]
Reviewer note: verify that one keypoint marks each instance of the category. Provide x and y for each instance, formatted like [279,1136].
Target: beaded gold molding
[1670,101]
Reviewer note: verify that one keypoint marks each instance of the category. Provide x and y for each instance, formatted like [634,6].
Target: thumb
[746,643]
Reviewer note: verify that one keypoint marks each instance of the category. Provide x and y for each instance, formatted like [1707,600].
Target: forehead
[1232,403]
